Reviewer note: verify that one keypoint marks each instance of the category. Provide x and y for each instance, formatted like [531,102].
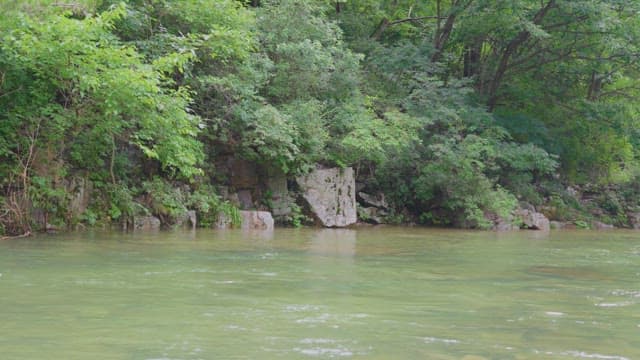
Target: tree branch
[511,48]
[385,24]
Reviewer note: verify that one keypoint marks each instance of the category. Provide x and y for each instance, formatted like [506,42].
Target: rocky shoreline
[324,197]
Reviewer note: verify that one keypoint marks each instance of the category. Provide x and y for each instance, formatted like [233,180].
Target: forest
[459,111]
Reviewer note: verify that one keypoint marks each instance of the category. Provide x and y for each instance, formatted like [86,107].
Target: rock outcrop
[223,222]
[373,209]
[533,220]
[256,220]
[598,225]
[330,195]
[146,223]
[634,220]
[79,190]
[501,224]
[371,215]
[245,199]
[281,202]
[188,219]
[244,174]
[557,225]
[377,200]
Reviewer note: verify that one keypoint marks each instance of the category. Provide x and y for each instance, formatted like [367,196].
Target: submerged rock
[256,220]
[330,194]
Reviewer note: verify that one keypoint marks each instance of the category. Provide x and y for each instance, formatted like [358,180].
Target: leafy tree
[72,93]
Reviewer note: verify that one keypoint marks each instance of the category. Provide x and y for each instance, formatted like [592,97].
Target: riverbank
[324,197]
[149,114]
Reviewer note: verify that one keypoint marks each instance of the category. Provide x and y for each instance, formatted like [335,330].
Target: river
[371,293]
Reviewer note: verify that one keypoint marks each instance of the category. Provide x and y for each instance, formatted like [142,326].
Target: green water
[375,293]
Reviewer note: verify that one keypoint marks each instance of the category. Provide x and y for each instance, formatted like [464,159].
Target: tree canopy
[455,109]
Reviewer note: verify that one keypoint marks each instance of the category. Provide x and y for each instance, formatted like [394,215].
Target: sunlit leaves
[103,89]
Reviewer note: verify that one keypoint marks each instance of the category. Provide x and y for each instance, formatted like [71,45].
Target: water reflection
[257,235]
[334,242]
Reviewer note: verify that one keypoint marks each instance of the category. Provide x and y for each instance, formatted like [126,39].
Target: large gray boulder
[533,220]
[256,220]
[331,196]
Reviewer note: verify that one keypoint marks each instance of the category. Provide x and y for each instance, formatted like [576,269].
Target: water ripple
[583,355]
[430,340]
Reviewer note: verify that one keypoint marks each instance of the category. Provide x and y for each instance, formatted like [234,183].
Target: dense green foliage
[455,109]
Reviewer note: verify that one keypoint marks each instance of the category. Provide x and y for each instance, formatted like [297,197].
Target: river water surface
[374,293]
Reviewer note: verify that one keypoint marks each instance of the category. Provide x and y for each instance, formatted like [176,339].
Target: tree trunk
[384,24]
[595,86]
[442,35]
[472,59]
[443,32]
[511,48]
